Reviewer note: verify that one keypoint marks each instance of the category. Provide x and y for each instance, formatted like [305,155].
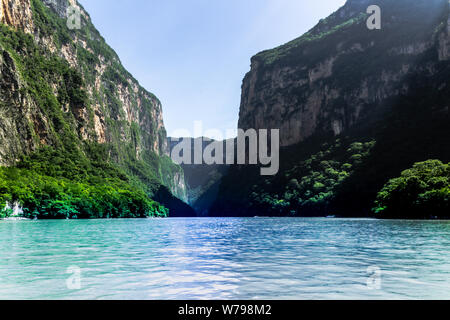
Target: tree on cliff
[420,192]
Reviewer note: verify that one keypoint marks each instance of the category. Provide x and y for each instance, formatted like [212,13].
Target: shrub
[420,192]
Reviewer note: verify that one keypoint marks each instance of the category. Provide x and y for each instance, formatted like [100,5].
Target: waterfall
[17,211]
[15,208]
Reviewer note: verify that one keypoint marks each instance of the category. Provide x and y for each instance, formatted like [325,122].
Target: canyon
[354,106]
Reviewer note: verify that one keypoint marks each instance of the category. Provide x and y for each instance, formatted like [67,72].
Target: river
[248,258]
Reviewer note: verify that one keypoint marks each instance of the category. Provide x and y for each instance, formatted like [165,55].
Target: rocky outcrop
[444,43]
[23,126]
[60,6]
[10,125]
[17,13]
[340,73]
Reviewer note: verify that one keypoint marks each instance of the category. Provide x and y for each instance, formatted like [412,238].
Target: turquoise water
[257,258]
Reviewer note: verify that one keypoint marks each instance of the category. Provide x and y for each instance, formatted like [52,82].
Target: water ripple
[226,259]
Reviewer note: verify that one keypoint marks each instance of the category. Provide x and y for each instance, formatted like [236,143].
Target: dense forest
[422,192]
[54,184]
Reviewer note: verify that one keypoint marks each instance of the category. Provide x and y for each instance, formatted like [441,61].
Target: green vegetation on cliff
[421,192]
[61,181]
[83,138]
[311,184]
[40,71]
[55,184]
[45,197]
[309,179]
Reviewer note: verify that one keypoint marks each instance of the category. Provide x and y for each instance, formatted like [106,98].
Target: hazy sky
[193,54]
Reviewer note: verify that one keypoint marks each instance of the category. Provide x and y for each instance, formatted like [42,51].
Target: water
[225,259]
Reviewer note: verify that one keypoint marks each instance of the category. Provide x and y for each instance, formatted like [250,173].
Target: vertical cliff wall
[64,85]
[355,107]
[17,13]
[340,73]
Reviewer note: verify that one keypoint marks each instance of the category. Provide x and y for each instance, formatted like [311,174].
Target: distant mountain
[202,181]
[355,107]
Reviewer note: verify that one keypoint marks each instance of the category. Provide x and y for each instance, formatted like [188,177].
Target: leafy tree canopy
[420,192]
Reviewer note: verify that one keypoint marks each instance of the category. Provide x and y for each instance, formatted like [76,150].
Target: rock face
[17,13]
[338,74]
[60,6]
[444,43]
[17,111]
[109,107]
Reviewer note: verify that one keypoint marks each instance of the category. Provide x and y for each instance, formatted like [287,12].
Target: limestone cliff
[339,74]
[78,91]
[17,13]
